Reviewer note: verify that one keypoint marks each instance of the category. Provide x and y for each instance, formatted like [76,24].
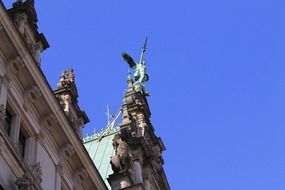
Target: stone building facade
[40,129]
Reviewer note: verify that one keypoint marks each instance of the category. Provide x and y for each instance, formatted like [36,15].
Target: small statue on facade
[26,182]
[140,75]
[120,162]
[36,169]
[66,78]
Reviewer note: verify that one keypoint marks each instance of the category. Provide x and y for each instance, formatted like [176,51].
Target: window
[8,122]
[22,143]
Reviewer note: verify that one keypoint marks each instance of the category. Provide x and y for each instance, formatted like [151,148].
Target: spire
[138,162]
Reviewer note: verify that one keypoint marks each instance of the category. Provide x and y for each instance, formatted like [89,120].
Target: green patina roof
[100,149]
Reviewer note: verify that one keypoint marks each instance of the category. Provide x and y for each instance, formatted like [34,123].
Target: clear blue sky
[217,79]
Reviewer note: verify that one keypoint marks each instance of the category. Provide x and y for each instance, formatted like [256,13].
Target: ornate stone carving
[66,78]
[37,171]
[59,169]
[66,152]
[21,21]
[37,52]
[26,182]
[31,96]
[49,121]
[16,65]
[79,177]
[121,161]
[66,102]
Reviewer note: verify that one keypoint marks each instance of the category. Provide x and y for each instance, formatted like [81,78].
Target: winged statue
[140,75]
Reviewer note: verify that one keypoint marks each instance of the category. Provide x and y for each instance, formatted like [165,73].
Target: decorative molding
[66,152]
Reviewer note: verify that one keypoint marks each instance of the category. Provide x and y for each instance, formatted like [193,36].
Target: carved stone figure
[37,171]
[121,161]
[66,152]
[66,78]
[26,182]
[21,21]
[66,102]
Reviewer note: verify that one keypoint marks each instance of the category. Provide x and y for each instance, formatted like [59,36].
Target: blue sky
[216,77]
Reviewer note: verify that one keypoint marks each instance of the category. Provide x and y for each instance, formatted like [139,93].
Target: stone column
[137,172]
[15,129]
[30,151]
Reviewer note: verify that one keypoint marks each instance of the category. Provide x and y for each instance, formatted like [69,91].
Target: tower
[137,163]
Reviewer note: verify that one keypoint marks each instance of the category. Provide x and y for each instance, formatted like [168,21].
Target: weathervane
[140,75]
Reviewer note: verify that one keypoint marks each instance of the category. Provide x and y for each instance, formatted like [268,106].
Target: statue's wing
[129,60]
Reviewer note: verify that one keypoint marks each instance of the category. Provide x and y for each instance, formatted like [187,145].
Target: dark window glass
[22,143]
[8,122]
